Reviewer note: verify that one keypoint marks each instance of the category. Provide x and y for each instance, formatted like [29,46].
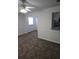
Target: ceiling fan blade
[30,7]
[25,6]
[23,1]
[27,9]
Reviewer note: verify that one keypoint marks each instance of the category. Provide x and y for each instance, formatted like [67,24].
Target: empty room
[38,29]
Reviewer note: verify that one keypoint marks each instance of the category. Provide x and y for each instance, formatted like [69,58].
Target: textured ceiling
[40,4]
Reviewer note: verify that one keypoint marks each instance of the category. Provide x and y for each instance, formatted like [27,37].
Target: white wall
[21,23]
[44,24]
[23,26]
[29,28]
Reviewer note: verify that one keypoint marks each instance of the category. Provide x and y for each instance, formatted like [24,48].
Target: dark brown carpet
[30,47]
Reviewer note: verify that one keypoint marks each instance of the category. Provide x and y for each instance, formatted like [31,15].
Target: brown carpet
[30,47]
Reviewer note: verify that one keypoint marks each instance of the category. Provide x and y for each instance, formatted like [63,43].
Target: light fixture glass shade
[23,11]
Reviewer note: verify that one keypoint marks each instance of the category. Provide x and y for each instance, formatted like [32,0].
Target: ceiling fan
[24,8]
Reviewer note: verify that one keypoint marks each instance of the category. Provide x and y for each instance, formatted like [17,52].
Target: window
[30,20]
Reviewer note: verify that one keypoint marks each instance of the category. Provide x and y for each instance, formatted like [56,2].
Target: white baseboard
[50,40]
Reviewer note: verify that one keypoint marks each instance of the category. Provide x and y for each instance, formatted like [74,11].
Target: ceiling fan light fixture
[23,11]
